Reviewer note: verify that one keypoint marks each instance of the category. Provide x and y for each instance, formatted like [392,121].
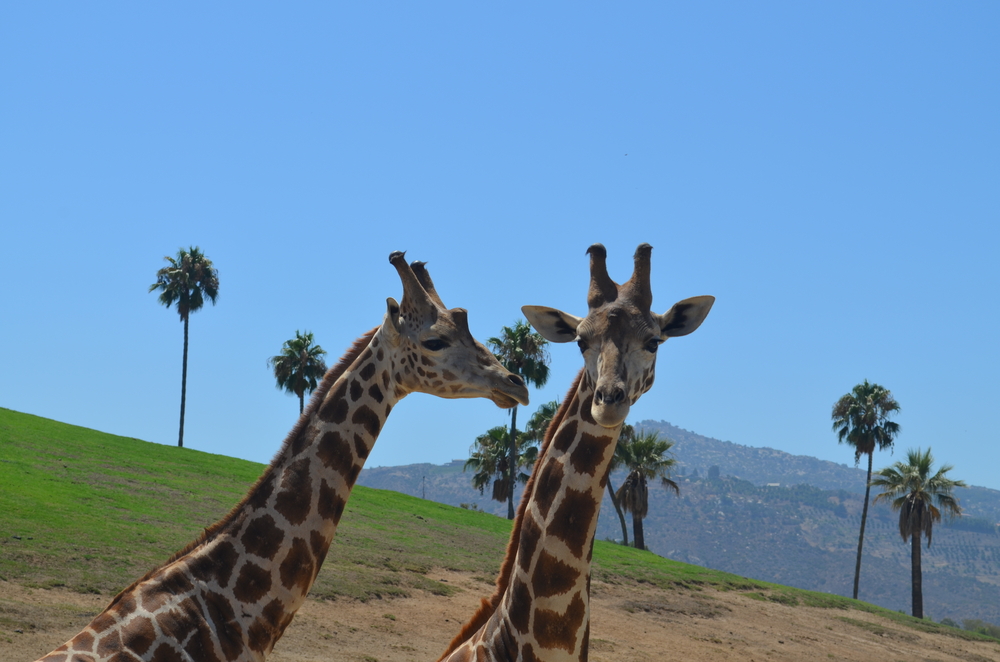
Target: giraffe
[229,595]
[540,609]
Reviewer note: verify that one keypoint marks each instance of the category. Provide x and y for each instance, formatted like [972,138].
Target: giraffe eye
[434,344]
[582,344]
[652,345]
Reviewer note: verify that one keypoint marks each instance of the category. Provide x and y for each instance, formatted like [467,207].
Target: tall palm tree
[187,281]
[911,489]
[522,351]
[861,419]
[300,366]
[627,433]
[489,460]
[646,457]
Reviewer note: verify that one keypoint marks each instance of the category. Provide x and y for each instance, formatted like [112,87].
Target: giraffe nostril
[614,397]
[515,380]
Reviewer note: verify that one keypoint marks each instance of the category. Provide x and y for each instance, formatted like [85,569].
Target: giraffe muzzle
[610,406]
[512,392]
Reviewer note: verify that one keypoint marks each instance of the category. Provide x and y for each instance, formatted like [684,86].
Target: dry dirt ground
[633,622]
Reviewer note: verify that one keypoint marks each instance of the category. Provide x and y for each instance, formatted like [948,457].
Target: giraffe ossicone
[230,594]
[540,610]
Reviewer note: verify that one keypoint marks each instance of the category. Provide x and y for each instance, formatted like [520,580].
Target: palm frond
[860,419]
[299,367]
[647,457]
[522,351]
[912,490]
[187,281]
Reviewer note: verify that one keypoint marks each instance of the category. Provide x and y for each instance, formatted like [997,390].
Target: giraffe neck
[544,610]
[251,571]
[289,520]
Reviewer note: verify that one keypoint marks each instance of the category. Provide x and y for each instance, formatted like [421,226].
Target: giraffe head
[435,352]
[620,334]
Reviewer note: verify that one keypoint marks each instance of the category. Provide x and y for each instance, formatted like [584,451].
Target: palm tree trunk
[861,536]
[916,578]
[640,539]
[512,462]
[302,398]
[184,378]
[618,509]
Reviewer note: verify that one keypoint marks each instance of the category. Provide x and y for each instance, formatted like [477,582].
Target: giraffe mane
[331,376]
[488,606]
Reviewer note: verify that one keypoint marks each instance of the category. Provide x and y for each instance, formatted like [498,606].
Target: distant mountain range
[762,466]
[770,515]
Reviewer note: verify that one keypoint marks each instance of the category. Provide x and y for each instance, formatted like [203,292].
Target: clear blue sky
[829,171]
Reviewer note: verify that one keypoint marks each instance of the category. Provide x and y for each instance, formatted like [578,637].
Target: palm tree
[538,424]
[522,351]
[627,433]
[912,490]
[645,456]
[861,419]
[300,366]
[490,461]
[187,281]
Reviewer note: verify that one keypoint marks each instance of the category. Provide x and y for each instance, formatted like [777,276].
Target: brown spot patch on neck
[110,644]
[555,630]
[589,453]
[334,409]
[227,629]
[519,609]
[549,479]
[166,652]
[368,371]
[368,419]
[217,564]
[565,436]
[252,584]
[585,409]
[294,501]
[552,576]
[297,568]
[201,644]
[83,642]
[125,606]
[320,545]
[488,607]
[335,453]
[571,521]
[262,537]
[530,535]
[331,505]
[139,635]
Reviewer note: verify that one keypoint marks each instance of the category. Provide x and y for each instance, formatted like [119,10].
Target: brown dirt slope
[630,622]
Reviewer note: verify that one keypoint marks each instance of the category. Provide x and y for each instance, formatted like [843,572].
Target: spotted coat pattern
[541,609]
[230,595]
[545,611]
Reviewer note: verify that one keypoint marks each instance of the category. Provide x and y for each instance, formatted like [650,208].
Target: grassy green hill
[91,512]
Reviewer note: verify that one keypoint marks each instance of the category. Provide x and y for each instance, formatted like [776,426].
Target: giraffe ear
[684,316]
[554,325]
[391,325]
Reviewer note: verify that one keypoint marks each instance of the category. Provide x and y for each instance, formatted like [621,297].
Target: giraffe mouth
[502,400]
[610,416]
